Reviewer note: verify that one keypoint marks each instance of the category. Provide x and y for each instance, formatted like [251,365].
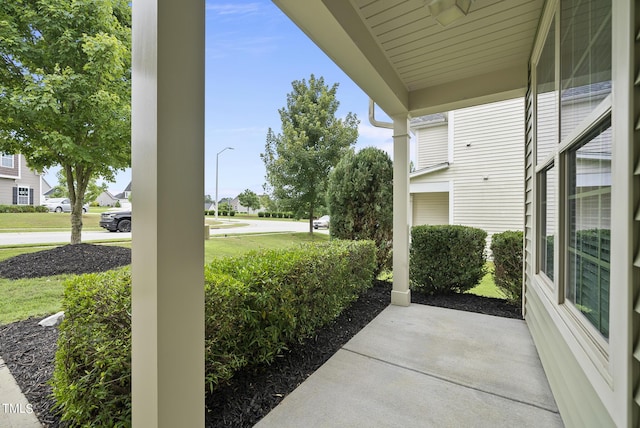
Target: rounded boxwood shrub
[445,259]
[507,249]
[261,214]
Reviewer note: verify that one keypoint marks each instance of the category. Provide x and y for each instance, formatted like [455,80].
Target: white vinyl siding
[431,208]
[432,145]
[488,167]
[576,398]
[487,175]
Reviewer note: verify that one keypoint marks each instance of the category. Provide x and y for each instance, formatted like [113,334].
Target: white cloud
[371,132]
[233,8]
[234,44]
[381,138]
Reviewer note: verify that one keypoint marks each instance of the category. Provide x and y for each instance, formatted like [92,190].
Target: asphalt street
[235,226]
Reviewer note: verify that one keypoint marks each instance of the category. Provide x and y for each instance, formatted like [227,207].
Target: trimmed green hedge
[278,297]
[507,249]
[255,305]
[23,209]
[91,380]
[445,259]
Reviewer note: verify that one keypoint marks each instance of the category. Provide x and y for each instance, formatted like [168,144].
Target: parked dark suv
[116,221]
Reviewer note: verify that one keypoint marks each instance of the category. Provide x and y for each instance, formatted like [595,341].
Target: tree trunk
[311,218]
[76,222]
[77,185]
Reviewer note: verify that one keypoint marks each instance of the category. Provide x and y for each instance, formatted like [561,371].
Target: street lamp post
[217,155]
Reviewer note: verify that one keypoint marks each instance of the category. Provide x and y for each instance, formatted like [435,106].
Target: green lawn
[487,287]
[38,222]
[233,245]
[25,298]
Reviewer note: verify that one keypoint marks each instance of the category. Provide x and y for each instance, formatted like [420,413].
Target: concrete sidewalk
[424,366]
[15,410]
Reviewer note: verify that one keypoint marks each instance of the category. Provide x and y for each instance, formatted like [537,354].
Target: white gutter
[372,117]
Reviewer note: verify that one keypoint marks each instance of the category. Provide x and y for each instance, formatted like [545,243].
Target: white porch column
[401,295]
[410,213]
[168,184]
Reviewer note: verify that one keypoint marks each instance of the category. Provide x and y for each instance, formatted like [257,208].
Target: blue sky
[253,53]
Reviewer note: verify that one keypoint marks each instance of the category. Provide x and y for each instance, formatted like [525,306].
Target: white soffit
[406,62]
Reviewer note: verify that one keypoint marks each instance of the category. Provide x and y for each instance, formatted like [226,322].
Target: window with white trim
[6,160]
[23,196]
[546,144]
[572,78]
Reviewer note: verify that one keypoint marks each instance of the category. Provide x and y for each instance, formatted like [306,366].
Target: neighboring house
[237,206]
[106,199]
[470,168]
[19,185]
[45,188]
[123,197]
[125,194]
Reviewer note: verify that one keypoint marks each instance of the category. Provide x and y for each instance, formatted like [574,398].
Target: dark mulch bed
[28,349]
[77,259]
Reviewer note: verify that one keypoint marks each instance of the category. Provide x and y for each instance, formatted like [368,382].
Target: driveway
[235,226]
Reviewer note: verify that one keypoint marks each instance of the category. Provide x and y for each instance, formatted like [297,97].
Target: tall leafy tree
[65,89]
[313,140]
[249,199]
[360,199]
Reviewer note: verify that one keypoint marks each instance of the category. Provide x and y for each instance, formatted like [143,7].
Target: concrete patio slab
[424,366]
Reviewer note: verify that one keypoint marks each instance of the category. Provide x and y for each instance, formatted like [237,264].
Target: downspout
[372,117]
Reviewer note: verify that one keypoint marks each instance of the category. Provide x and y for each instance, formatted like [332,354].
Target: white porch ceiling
[403,59]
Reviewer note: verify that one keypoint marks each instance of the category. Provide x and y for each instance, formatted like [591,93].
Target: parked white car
[321,222]
[59,205]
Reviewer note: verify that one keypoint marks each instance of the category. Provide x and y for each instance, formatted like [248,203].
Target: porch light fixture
[448,11]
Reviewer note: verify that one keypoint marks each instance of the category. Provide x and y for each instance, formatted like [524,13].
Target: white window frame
[590,339]
[5,157]
[550,289]
[20,198]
